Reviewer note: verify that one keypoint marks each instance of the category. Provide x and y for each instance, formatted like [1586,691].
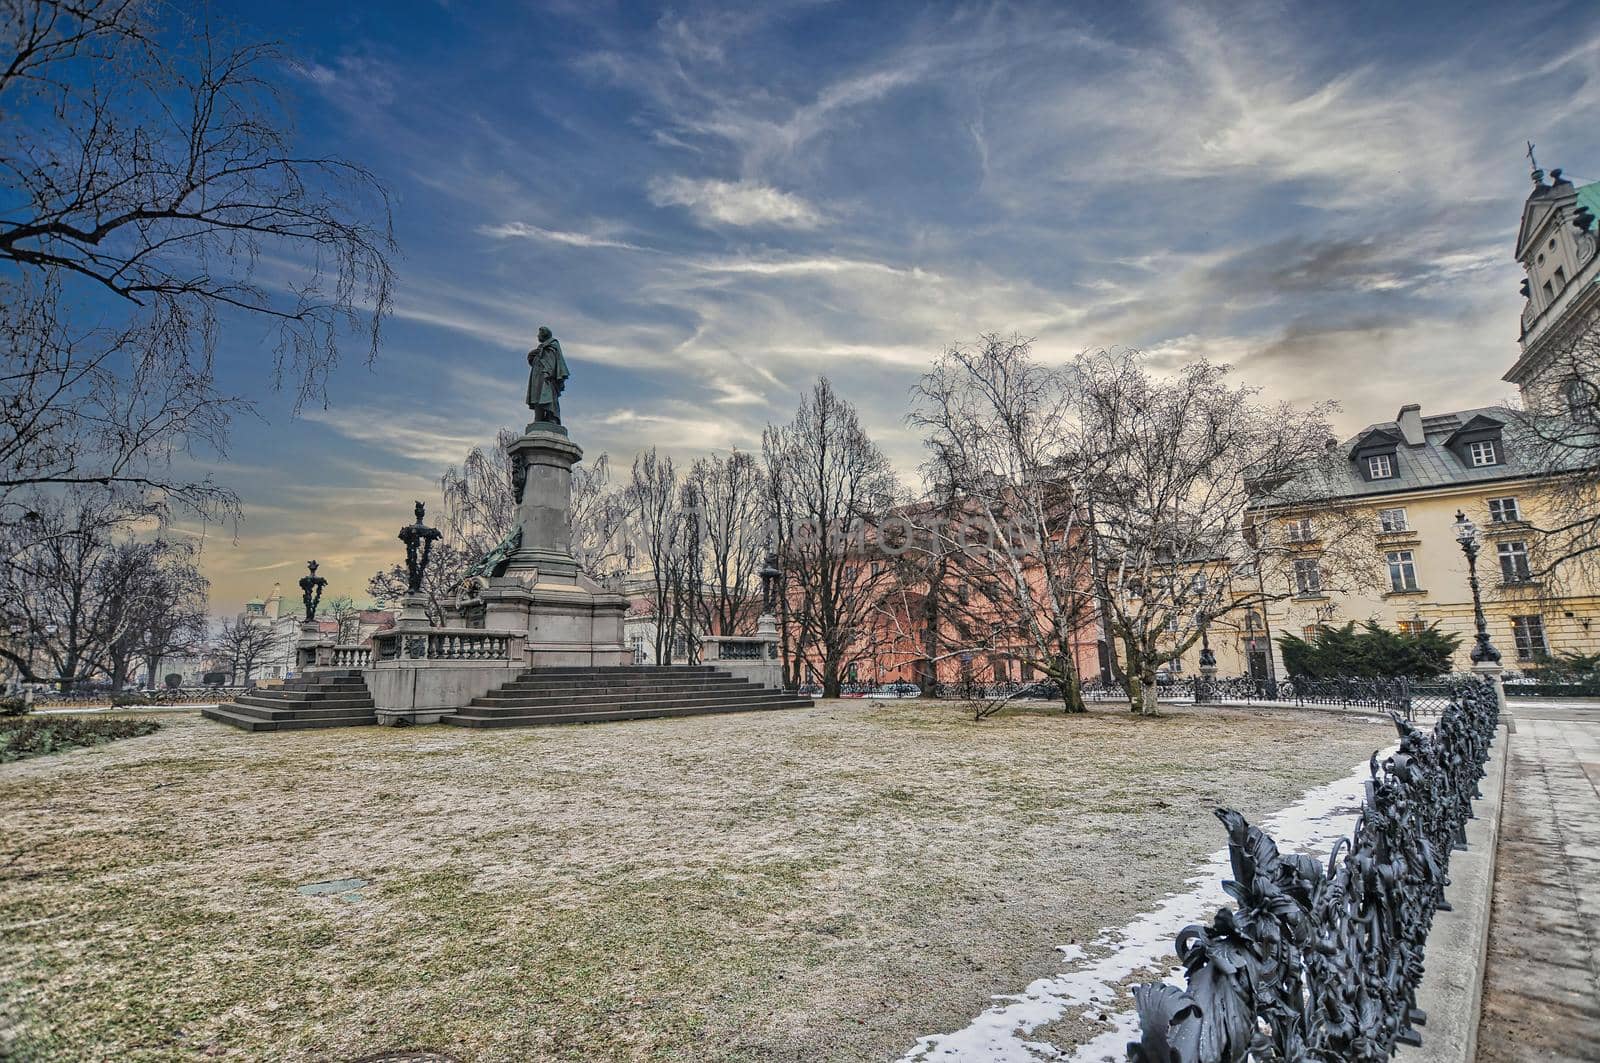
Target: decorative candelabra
[1467,535]
[311,591]
[414,536]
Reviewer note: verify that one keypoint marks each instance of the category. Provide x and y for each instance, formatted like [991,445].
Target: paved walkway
[1541,995]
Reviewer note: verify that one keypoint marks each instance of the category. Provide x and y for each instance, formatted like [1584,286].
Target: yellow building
[1409,478]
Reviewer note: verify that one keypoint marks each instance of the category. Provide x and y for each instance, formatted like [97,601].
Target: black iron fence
[1413,699]
[1323,963]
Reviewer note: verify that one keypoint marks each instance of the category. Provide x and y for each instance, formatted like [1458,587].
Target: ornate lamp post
[1483,653]
[1208,658]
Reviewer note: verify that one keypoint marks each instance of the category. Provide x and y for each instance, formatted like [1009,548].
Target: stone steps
[221,714]
[633,712]
[581,694]
[592,695]
[674,701]
[322,699]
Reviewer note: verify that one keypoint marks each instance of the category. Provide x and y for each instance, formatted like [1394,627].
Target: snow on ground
[1094,975]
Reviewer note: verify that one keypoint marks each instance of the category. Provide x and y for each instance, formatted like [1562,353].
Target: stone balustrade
[467,645]
[352,656]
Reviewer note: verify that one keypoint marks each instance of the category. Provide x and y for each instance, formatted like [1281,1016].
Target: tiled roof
[1430,463]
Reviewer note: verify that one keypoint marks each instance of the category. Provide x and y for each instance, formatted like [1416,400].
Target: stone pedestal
[570,619]
[1493,672]
[311,650]
[413,610]
[750,657]
[542,459]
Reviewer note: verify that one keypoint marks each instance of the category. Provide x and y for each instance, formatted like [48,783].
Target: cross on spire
[1538,174]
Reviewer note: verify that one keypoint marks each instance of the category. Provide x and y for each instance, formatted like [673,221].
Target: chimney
[1410,420]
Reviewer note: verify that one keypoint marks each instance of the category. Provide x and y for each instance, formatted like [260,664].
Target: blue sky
[711,204]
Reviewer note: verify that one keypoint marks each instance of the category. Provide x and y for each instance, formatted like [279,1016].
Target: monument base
[570,621]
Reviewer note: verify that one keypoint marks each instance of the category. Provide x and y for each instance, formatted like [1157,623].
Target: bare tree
[148,170]
[480,509]
[155,603]
[730,498]
[828,485]
[1187,476]
[659,526]
[58,582]
[596,516]
[999,430]
[344,612]
[243,644]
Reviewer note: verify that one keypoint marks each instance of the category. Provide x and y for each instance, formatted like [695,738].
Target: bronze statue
[547,378]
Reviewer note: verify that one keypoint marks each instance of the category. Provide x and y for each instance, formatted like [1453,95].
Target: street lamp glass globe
[1466,531]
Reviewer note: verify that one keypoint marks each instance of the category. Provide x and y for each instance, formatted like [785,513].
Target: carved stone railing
[1319,963]
[353,656]
[452,644]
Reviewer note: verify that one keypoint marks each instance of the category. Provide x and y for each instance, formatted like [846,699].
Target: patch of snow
[1093,976]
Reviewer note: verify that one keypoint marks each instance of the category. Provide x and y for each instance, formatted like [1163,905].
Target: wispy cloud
[522,230]
[741,203]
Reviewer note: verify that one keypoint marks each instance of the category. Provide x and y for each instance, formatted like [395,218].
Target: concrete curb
[1452,984]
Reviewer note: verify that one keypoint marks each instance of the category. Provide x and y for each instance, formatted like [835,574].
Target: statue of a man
[547,377]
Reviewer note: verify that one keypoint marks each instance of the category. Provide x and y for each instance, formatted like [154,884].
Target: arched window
[1582,398]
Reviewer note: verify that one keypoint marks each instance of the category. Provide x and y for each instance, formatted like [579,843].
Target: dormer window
[1380,467]
[1483,453]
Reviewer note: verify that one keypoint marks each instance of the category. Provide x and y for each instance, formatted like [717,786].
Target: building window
[1380,467]
[1561,278]
[1412,627]
[1483,453]
[1309,632]
[1402,570]
[1503,511]
[1392,520]
[1514,562]
[1528,633]
[1300,531]
[1307,577]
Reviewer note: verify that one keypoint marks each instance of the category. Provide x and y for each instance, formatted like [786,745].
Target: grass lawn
[820,884]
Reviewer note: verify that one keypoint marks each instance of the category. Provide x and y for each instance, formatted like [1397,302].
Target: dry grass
[824,884]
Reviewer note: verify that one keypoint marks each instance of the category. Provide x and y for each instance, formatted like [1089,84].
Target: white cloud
[522,230]
[741,203]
